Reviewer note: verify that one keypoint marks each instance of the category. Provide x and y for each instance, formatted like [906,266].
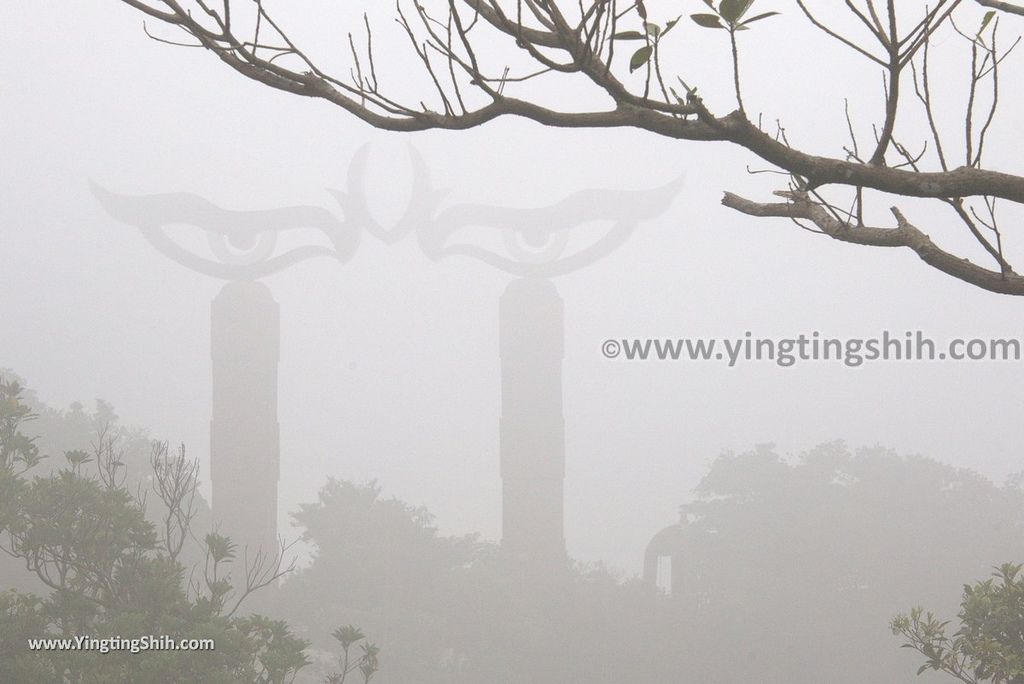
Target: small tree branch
[1010,7]
[905,235]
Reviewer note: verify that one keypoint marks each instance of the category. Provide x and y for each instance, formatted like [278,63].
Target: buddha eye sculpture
[242,247]
[242,243]
[536,245]
[548,241]
[533,244]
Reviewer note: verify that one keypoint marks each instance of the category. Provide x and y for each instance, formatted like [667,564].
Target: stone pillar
[532,441]
[244,433]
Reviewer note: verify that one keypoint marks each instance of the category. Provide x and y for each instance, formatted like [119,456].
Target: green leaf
[729,10]
[707,20]
[628,35]
[759,17]
[669,26]
[219,547]
[989,16]
[653,30]
[640,57]
[348,635]
[733,10]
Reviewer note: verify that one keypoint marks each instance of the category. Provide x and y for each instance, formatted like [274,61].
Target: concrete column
[244,433]
[532,442]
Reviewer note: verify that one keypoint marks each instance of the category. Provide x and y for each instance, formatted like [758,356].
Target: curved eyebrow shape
[151,214]
[625,209]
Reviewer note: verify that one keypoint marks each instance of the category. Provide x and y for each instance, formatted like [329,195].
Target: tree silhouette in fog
[107,571]
[384,563]
[788,567]
[794,564]
[454,609]
[76,428]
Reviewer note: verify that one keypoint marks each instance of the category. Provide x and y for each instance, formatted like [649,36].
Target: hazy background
[389,365]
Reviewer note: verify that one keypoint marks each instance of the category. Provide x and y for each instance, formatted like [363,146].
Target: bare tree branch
[577,40]
[904,234]
[1004,6]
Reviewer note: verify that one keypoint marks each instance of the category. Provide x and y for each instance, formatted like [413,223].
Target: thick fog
[389,359]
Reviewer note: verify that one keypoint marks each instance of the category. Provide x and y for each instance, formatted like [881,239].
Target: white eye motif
[521,241]
[242,248]
[242,243]
[543,241]
[535,247]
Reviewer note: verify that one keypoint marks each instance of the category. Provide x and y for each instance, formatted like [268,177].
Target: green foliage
[989,644]
[118,454]
[640,57]
[990,19]
[109,574]
[730,14]
[366,663]
[17,451]
[651,35]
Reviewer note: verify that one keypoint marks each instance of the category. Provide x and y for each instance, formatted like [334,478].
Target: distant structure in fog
[245,327]
[245,436]
[531,322]
[245,339]
[664,559]
[531,325]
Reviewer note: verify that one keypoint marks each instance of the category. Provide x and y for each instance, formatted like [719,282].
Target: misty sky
[389,364]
